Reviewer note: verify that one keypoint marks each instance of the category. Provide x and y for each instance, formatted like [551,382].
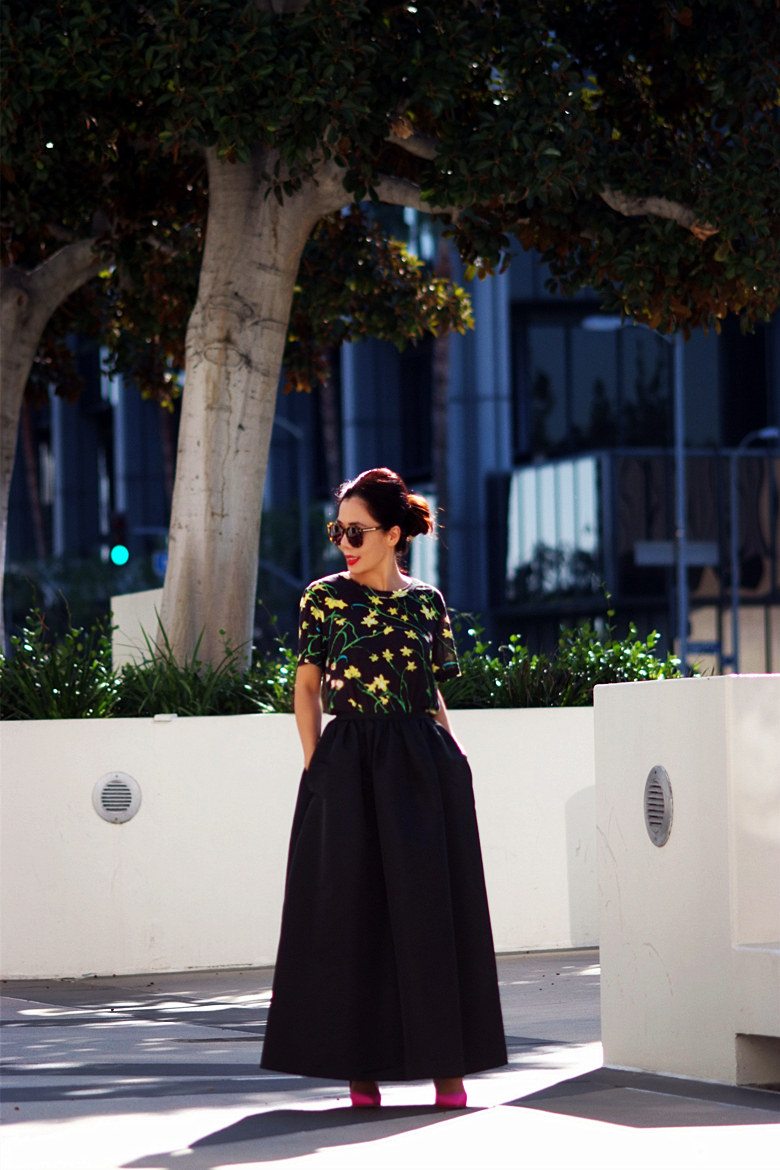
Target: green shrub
[272,679]
[161,683]
[514,677]
[73,679]
[67,679]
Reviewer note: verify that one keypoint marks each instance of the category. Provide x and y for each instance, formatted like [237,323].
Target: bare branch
[162,248]
[57,232]
[402,193]
[657,205]
[62,273]
[402,135]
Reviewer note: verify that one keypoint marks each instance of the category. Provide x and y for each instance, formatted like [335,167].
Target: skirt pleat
[386,968]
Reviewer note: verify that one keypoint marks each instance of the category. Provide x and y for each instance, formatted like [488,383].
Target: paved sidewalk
[159,1072]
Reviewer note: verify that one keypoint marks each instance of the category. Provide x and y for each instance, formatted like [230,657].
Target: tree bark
[27,301]
[235,342]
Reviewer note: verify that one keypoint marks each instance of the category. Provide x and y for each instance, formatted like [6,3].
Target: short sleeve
[445,656]
[311,630]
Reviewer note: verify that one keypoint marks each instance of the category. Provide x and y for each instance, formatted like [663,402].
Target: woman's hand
[307,705]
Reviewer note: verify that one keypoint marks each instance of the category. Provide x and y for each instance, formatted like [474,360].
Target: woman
[386,968]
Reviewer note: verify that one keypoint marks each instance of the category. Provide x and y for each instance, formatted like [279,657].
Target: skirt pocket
[315,776]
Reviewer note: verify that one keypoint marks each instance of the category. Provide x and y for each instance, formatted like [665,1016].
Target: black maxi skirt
[386,968]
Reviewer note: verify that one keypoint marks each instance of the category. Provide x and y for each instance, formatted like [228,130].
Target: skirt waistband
[394,716]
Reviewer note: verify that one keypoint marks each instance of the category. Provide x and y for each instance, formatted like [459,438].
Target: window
[580,386]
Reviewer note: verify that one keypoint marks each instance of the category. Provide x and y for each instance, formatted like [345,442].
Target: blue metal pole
[766,434]
[680,533]
[734,547]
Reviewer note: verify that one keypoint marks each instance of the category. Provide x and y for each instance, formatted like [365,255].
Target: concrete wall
[690,931]
[195,879]
[134,617]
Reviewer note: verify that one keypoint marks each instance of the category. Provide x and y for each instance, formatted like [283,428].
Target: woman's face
[378,548]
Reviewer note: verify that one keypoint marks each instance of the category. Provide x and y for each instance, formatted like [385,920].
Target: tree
[634,146]
[102,236]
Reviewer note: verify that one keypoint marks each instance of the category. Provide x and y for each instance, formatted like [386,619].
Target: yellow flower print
[374,657]
[372,597]
[411,634]
[429,613]
[370,620]
[340,621]
[304,625]
[406,651]
[411,666]
[387,630]
[404,617]
[353,703]
[435,668]
[352,672]
[392,609]
[380,683]
[446,633]
[385,699]
[335,603]
[387,655]
[318,613]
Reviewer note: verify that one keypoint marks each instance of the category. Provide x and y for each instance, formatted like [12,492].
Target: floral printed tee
[381,651]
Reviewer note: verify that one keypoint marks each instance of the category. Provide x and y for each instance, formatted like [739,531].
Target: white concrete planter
[690,930]
[195,878]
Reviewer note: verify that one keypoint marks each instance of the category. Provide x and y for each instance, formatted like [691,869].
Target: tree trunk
[27,301]
[235,342]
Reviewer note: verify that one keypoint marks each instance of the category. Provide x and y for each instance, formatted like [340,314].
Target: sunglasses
[353,532]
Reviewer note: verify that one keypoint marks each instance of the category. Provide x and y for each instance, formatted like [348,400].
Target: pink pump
[451,1100]
[365,1100]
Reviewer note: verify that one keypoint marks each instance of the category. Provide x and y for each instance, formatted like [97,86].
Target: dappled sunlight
[166,1077]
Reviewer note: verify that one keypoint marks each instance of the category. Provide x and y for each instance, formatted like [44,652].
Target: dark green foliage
[66,679]
[72,678]
[272,680]
[533,110]
[514,677]
[162,684]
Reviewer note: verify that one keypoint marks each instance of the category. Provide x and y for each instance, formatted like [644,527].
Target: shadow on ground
[644,1101]
[292,1133]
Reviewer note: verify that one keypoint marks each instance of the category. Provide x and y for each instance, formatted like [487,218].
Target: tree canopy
[635,146]
[590,130]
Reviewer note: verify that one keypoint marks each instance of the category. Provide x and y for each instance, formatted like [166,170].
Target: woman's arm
[442,717]
[308,707]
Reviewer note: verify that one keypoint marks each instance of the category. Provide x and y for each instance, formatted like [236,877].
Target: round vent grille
[658,805]
[116,797]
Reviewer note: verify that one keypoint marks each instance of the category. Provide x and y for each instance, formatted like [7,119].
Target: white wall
[195,879]
[134,617]
[690,931]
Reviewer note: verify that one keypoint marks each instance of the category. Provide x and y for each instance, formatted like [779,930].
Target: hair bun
[419,518]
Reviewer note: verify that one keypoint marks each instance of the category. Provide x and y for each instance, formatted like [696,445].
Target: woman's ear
[394,534]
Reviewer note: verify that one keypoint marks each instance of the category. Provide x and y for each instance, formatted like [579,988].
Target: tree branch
[402,135]
[657,205]
[402,193]
[65,271]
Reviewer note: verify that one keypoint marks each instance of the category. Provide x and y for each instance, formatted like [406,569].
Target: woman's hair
[390,502]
